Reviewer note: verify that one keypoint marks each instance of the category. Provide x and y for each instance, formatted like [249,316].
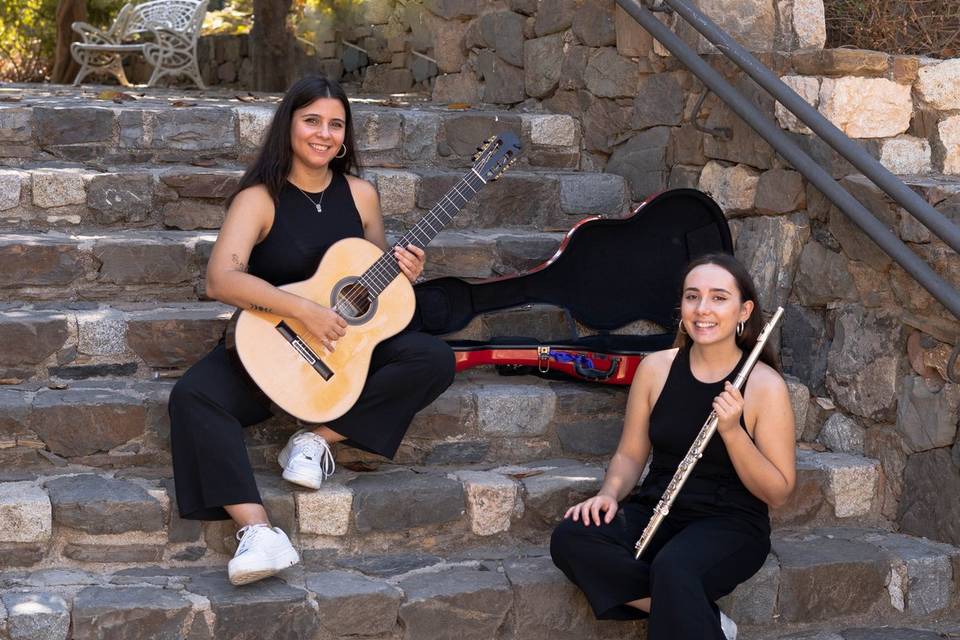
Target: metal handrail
[939,288]
[906,197]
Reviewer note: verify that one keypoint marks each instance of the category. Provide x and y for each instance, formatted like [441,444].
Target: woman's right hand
[323,323]
[590,509]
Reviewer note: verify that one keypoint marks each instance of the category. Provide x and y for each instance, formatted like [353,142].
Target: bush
[916,27]
[28,34]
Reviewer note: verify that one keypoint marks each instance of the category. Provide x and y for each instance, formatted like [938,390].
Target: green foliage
[28,35]
[235,18]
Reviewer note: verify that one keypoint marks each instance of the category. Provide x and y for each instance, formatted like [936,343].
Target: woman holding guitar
[292,204]
[717,533]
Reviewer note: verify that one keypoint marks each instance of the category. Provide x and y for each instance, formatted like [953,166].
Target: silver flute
[700,443]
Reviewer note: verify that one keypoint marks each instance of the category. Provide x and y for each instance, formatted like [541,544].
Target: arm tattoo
[256,307]
[237,262]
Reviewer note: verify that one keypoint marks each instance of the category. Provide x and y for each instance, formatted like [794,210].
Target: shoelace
[247,534]
[317,448]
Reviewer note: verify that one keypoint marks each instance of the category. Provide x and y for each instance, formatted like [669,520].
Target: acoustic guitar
[362,283]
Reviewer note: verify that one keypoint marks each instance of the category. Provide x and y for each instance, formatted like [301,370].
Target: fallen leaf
[116,96]
[10,98]
[520,475]
[204,162]
[57,385]
[182,103]
[247,98]
[458,106]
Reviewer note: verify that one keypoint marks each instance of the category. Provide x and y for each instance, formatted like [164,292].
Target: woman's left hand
[729,408]
[411,260]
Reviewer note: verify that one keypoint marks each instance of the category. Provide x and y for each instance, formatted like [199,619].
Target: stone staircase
[108,213]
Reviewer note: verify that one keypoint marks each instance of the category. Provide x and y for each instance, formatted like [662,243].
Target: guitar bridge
[304,350]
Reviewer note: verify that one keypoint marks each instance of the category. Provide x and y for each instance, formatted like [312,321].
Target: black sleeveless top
[676,419]
[300,235]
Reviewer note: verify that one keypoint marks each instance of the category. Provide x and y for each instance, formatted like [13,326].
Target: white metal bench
[165,32]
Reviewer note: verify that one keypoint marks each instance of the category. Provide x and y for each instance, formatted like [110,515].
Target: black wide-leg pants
[696,557]
[215,399]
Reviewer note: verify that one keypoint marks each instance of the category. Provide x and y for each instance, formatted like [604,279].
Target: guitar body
[289,378]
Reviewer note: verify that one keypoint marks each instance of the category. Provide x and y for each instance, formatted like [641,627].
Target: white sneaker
[306,459]
[263,551]
[728,626]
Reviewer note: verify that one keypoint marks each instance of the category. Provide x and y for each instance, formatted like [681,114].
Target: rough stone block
[610,75]
[121,197]
[542,64]
[594,193]
[809,24]
[457,87]
[551,130]
[30,337]
[932,480]
[927,418]
[866,107]
[79,422]
[398,191]
[939,84]
[57,188]
[196,129]
[186,334]
[142,261]
[128,613]
[503,32]
[752,23]
[325,512]
[948,131]
[346,600]
[863,367]
[822,578]
[36,616]
[643,162]
[734,188]
[252,125]
[807,88]
[770,248]
[658,102]
[95,504]
[550,493]
[404,500]
[455,604]
[513,411]
[755,601]
[101,332]
[799,402]
[491,501]
[25,513]
[554,16]
[842,434]
[851,483]
[72,125]
[593,24]
[780,191]
[271,607]
[10,187]
[503,82]
[110,553]
[921,575]
[906,155]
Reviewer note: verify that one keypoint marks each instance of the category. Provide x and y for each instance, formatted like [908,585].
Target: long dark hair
[275,159]
[748,291]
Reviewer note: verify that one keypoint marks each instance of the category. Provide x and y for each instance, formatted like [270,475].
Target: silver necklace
[318,203]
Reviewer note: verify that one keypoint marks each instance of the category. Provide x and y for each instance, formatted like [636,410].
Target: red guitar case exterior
[607,273]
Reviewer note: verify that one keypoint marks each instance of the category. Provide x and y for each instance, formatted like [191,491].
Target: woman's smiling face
[711,307]
[317,132]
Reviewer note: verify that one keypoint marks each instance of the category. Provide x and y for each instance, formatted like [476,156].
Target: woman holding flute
[717,533]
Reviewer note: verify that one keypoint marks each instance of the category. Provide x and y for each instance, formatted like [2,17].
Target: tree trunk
[65,68]
[271,45]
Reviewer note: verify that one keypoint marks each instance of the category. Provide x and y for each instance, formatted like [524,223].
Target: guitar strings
[382,268]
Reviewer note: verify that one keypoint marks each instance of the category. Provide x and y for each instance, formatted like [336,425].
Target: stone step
[145,340]
[170,265]
[154,129]
[69,511]
[832,579]
[189,197]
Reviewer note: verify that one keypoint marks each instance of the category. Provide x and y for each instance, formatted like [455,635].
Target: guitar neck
[385,269]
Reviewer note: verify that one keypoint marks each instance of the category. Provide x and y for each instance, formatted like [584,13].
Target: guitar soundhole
[353,301]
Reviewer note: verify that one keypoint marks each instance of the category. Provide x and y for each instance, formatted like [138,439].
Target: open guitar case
[606,274]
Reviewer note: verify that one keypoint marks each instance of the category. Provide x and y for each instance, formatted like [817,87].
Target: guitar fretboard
[385,269]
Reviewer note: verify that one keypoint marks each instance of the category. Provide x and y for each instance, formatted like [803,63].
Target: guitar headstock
[496,155]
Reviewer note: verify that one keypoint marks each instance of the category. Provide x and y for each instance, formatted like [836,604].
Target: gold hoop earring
[680,328]
[740,328]
[343,148]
